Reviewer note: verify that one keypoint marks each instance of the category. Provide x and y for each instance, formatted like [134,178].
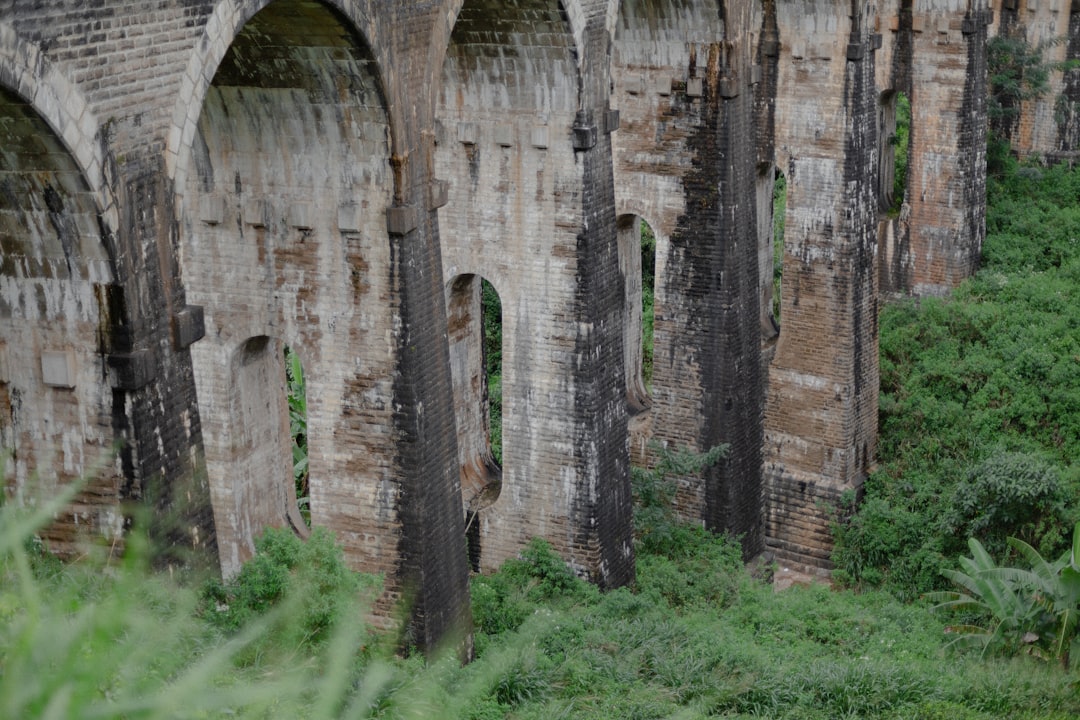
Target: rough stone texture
[188,186]
[821,410]
[1046,126]
[523,146]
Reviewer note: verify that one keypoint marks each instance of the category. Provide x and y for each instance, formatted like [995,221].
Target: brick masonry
[187,186]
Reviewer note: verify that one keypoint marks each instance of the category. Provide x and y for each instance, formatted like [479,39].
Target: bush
[311,574]
[1010,494]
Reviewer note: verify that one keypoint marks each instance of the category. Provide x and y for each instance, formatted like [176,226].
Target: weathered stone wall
[821,409]
[684,90]
[523,144]
[337,176]
[1046,126]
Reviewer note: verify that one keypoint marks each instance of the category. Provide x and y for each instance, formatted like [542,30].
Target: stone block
[212,209]
[467,133]
[5,368]
[188,326]
[58,368]
[402,220]
[540,136]
[438,194]
[504,135]
[301,216]
[663,86]
[611,121]
[694,87]
[254,212]
[584,135]
[349,217]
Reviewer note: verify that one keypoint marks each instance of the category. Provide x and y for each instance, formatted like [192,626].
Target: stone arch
[26,71]
[572,11]
[283,235]
[59,308]
[221,30]
[263,493]
[510,95]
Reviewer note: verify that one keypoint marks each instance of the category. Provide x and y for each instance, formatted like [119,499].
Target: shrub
[1010,494]
[311,574]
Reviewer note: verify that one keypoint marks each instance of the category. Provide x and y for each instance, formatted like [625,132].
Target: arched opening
[59,305]
[771,212]
[637,261]
[284,235]
[474,314]
[296,397]
[894,119]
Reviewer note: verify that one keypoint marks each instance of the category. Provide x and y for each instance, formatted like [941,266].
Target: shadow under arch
[222,29]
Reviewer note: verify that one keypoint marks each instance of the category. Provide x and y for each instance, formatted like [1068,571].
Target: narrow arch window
[637,262]
[296,394]
[895,130]
[475,333]
[779,214]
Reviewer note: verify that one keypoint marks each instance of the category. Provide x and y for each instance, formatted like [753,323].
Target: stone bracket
[729,87]
[133,370]
[402,219]
[855,51]
[585,131]
[770,48]
[438,194]
[188,326]
[5,368]
[876,41]
[611,121]
[1075,7]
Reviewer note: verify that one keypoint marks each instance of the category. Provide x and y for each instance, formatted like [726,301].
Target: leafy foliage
[310,574]
[491,311]
[656,528]
[901,142]
[1032,610]
[1009,494]
[779,209]
[648,300]
[296,388]
[991,372]
[1017,72]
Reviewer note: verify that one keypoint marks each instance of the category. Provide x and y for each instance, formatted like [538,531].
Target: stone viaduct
[189,186]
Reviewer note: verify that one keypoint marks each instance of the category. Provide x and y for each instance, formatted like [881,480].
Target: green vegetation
[696,637]
[779,208]
[296,389]
[491,310]
[648,298]
[980,401]
[1032,611]
[901,142]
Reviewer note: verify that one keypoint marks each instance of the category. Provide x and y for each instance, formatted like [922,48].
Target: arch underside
[57,413]
[285,239]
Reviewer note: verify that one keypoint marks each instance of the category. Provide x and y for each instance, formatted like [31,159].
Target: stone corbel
[188,326]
